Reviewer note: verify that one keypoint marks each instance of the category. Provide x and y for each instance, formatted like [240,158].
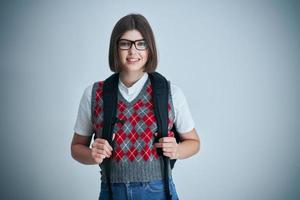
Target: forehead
[132,35]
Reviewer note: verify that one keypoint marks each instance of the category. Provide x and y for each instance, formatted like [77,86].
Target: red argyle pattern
[134,138]
[97,109]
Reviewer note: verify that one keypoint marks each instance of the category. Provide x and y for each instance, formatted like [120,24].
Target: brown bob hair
[131,22]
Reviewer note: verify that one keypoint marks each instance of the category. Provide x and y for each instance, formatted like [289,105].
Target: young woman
[136,167]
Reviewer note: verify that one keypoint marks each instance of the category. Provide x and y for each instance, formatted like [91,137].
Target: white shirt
[183,118]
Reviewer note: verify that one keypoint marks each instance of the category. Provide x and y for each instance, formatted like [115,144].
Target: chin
[134,68]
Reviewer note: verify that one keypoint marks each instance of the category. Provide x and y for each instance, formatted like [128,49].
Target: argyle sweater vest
[134,157]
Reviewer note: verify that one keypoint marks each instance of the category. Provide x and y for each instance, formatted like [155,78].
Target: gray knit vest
[134,158]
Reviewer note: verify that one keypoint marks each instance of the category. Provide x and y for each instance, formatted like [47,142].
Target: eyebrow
[131,40]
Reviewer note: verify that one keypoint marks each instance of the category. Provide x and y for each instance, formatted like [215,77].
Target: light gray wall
[237,62]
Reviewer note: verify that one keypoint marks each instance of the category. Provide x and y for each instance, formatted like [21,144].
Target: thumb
[113,137]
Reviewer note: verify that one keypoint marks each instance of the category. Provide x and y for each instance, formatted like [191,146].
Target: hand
[169,147]
[101,150]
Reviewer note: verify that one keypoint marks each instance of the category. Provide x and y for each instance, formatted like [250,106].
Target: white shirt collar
[135,88]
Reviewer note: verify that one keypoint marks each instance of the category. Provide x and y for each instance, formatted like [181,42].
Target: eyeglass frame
[132,42]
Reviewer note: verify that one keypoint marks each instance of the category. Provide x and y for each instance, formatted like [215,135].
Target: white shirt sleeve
[83,125]
[183,117]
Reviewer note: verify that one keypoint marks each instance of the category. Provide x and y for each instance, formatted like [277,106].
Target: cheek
[122,55]
[146,56]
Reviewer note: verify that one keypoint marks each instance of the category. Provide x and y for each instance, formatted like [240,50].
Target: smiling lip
[132,60]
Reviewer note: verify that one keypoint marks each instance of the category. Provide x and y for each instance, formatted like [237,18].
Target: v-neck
[121,97]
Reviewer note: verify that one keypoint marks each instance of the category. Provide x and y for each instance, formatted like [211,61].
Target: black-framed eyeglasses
[125,44]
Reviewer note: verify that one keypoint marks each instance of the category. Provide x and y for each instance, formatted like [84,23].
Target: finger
[113,137]
[169,150]
[107,148]
[103,152]
[101,156]
[170,155]
[104,149]
[96,152]
[101,143]
[162,145]
[108,145]
[96,155]
[158,145]
[100,140]
[168,145]
[167,139]
[98,160]
[101,147]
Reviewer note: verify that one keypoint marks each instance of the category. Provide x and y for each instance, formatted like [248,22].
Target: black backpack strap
[173,129]
[110,98]
[178,140]
[160,97]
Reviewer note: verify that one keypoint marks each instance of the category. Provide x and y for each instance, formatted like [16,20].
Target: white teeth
[132,59]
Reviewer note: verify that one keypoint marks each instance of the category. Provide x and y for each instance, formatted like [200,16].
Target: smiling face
[132,60]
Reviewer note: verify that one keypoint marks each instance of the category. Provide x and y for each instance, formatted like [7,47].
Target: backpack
[160,95]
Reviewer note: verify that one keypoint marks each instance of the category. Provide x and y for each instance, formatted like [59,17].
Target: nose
[132,49]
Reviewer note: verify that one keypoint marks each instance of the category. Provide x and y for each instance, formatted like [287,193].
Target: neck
[129,78]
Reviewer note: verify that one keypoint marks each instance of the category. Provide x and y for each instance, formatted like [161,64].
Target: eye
[124,43]
[141,44]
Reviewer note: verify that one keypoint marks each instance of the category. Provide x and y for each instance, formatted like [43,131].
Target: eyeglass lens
[126,44]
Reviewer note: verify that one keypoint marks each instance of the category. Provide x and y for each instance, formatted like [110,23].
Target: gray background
[237,62]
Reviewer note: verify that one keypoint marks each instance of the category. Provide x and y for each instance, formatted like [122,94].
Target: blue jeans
[153,190]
